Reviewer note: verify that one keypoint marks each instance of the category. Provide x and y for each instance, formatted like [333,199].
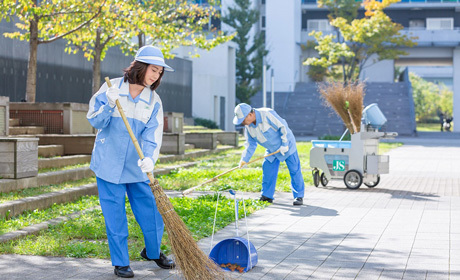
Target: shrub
[206,123]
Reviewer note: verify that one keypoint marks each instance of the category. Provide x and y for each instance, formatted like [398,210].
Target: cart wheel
[353,179]
[373,184]
[316,177]
[324,180]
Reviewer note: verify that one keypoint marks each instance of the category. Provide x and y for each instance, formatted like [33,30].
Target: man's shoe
[298,201]
[267,199]
[124,271]
[163,262]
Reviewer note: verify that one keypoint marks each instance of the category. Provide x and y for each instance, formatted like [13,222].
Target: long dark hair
[135,74]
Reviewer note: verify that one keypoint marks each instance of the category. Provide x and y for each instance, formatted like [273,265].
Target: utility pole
[273,90]
[264,90]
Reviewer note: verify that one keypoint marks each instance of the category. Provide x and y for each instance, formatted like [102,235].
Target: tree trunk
[140,38]
[31,84]
[97,63]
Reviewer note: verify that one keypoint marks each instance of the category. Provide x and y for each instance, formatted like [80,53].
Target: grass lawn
[85,236]
[246,179]
[429,127]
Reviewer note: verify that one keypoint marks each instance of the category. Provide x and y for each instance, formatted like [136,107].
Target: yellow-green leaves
[356,40]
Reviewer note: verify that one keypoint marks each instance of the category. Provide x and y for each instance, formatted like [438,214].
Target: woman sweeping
[115,160]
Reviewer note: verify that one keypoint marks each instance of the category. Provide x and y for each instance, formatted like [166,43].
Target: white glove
[146,164]
[112,94]
[243,164]
[284,150]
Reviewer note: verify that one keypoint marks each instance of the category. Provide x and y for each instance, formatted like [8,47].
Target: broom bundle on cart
[192,262]
[356,161]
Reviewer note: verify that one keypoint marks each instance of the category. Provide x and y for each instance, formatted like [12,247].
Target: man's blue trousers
[270,174]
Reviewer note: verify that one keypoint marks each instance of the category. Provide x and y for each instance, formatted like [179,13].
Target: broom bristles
[190,259]
[336,95]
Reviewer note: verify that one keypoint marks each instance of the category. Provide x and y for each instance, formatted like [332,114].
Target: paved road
[408,227]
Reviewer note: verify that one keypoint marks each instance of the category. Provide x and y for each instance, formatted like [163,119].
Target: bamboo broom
[192,262]
[187,191]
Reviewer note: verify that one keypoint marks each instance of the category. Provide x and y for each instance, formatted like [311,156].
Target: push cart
[356,161]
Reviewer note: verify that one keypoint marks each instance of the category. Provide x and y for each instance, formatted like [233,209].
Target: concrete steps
[306,114]
[29,130]
[15,128]
[14,122]
[43,201]
[62,161]
[48,151]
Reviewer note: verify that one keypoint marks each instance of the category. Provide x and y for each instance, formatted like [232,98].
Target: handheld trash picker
[356,161]
[235,253]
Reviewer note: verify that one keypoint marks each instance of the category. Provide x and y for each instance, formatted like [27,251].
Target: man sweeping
[265,127]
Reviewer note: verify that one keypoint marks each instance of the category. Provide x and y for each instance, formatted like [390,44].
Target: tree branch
[75,29]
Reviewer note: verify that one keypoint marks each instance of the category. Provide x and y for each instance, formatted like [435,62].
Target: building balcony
[426,38]
[402,1]
[434,38]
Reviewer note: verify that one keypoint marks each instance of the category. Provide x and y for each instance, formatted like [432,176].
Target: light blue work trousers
[270,174]
[112,199]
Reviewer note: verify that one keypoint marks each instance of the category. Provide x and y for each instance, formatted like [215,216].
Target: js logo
[338,165]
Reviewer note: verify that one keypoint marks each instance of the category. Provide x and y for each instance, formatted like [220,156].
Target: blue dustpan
[236,250]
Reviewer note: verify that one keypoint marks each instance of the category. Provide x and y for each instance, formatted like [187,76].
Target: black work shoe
[163,262]
[298,201]
[124,271]
[264,198]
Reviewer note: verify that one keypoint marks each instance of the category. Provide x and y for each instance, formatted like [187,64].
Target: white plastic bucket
[373,116]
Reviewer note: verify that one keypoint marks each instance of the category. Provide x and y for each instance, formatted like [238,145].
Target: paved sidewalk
[408,227]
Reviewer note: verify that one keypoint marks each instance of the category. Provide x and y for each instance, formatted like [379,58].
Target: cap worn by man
[242,110]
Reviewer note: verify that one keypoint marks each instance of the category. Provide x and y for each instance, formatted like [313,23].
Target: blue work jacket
[114,157]
[270,131]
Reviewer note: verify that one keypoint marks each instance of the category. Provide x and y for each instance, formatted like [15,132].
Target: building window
[262,21]
[439,23]
[319,25]
[417,24]
[263,2]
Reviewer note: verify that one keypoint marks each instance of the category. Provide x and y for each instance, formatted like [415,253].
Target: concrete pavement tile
[349,256]
[332,263]
[455,228]
[280,271]
[414,274]
[454,274]
[258,271]
[427,265]
[433,236]
[316,255]
[369,274]
[437,275]
[438,253]
[345,273]
[391,274]
[422,244]
[323,273]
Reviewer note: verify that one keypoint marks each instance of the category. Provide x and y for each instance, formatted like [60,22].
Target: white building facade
[436,57]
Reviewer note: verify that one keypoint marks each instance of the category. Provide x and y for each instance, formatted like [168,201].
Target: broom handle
[130,131]
[187,191]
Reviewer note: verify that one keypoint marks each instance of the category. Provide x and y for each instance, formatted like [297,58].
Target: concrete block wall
[18,157]
[228,138]
[202,140]
[4,115]
[173,143]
